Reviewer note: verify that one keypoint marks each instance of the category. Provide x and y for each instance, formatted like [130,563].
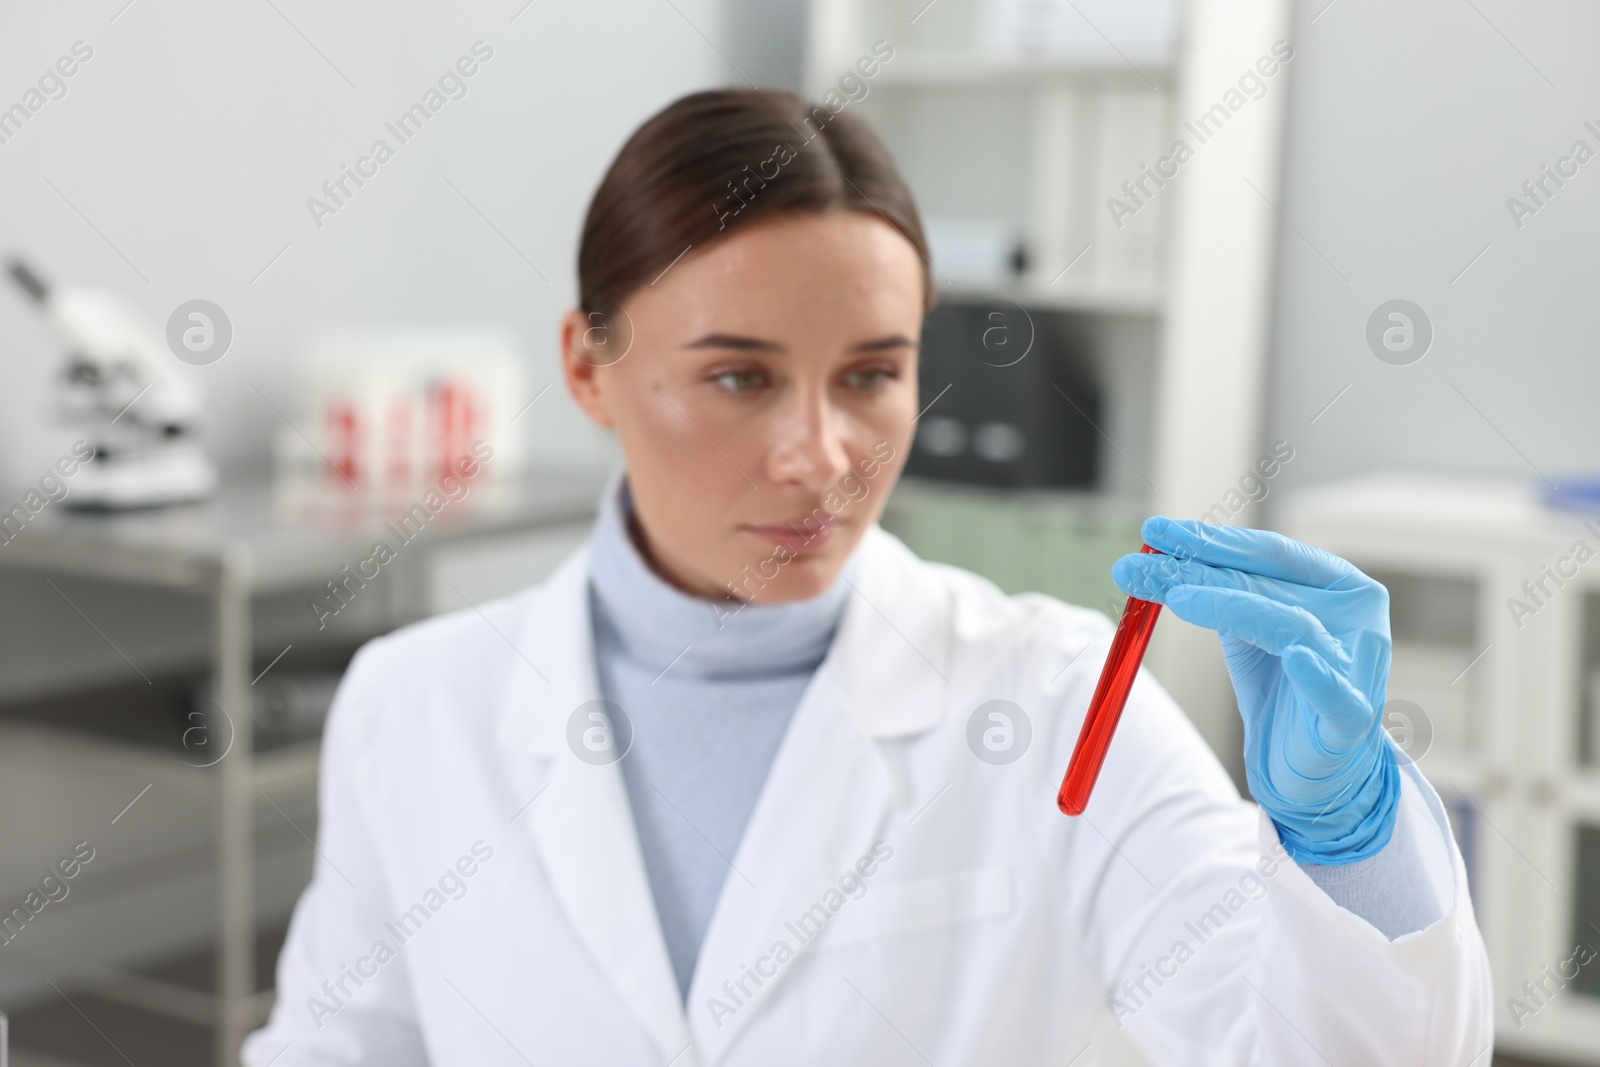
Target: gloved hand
[1306,639]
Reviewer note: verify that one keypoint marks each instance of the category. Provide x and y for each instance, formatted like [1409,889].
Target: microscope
[121,387]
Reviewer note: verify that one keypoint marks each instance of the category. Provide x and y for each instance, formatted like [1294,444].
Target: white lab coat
[937,907]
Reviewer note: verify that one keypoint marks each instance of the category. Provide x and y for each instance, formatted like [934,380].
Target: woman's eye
[869,378]
[739,381]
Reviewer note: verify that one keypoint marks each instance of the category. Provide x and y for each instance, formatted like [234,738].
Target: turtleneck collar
[658,624]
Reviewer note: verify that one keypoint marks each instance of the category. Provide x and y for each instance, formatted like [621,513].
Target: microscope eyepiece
[29,281]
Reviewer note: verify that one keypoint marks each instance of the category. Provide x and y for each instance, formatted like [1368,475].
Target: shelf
[1065,295]
[1466,772]
[1085,505]
[1059,542]
[929,66]
[1582,789]
[292,539]
[290,767]
[1467,508]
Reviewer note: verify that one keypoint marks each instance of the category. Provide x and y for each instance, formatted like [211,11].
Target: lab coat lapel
[581,821]
[831,790]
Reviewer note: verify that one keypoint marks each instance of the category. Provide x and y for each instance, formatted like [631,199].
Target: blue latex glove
[1306,639]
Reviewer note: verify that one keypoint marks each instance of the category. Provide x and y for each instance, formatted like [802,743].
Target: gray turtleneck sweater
[709,695]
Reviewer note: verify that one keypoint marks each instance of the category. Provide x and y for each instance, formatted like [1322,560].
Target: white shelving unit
[1511,699]
[997,131]
[1033,144]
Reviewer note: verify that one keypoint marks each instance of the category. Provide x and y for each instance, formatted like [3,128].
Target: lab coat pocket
[922,905]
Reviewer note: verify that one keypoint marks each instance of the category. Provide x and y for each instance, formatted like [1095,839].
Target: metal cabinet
[1495,603]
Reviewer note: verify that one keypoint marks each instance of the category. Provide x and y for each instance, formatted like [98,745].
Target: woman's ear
[581,371]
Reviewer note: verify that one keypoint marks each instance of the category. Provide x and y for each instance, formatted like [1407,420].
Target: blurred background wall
[1410,125]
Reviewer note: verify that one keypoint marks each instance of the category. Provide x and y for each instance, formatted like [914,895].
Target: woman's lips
[799,535]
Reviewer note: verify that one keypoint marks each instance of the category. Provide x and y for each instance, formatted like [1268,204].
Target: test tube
[1105,707]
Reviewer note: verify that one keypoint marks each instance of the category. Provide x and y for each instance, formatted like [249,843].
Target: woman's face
[765,400]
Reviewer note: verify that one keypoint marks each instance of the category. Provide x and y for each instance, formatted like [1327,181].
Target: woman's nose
[807,444]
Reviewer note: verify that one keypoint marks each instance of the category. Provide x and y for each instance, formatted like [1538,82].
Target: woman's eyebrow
[884,343]
[757,344]
[728,340]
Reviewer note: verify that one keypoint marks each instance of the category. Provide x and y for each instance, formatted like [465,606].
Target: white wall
[1410,123]
[194,135]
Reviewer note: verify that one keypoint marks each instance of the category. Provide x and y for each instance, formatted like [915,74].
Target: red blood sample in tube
[1105,707]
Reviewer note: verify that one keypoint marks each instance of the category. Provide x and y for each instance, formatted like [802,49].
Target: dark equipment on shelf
[1012,402]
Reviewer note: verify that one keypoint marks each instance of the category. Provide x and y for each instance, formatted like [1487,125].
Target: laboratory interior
[294,317]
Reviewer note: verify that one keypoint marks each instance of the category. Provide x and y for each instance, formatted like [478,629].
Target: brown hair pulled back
[703,166]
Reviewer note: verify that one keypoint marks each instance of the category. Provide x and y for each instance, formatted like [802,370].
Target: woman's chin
[801,578]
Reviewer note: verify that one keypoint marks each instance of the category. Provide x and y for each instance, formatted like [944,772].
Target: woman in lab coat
[747,782]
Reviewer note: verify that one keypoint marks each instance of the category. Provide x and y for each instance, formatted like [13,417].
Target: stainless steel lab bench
[249,543]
